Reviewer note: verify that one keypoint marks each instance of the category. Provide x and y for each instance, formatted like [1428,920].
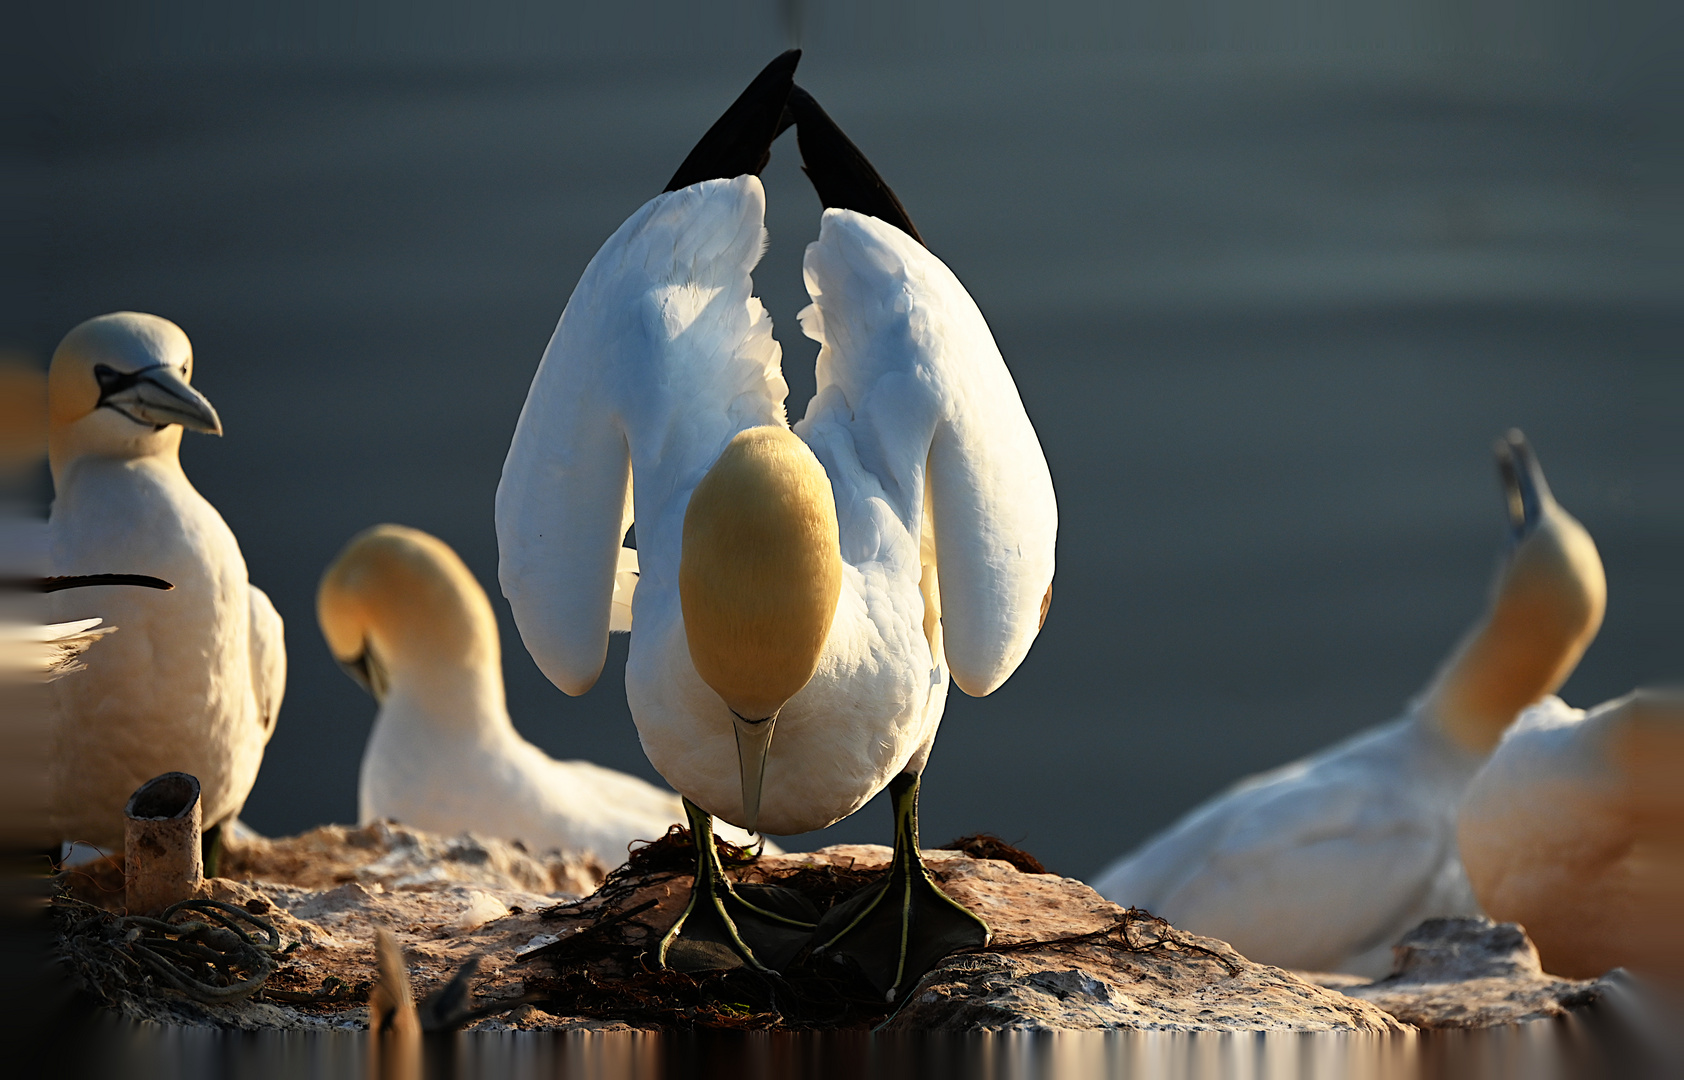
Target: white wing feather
[1315,863]
[268,659]
[909,359]
[661,355]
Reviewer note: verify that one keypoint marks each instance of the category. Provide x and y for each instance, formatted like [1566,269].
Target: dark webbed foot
[729,926]
[894,931]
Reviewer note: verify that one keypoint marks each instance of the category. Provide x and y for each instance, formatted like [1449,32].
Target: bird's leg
[896,929]
[728,926]
[210,850]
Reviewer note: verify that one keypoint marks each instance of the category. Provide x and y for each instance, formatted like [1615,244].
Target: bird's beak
[157,396]
[366,669]
[1524,486]
[754,737]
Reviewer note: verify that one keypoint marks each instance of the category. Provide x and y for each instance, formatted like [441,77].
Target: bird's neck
[1541,621]
[158,451]
[449,696]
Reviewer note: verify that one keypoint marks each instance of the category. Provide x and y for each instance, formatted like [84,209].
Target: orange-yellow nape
[409,595]
[1546,611]
[760,570]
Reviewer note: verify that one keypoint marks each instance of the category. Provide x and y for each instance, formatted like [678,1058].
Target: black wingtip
[740,141]
[840,173]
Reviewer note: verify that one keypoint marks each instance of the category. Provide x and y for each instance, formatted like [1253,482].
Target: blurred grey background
[1270,287]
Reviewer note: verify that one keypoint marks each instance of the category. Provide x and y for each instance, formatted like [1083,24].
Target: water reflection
[1592,1045]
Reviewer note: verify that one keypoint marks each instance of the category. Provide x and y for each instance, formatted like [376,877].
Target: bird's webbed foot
[725,926]
[894,930]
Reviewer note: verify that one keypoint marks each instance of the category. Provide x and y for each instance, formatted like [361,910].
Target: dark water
[1268,311]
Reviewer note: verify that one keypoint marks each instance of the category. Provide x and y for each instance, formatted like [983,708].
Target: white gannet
[1575,829]
[1322,864]
[788,578]
[404,616]
[194,679]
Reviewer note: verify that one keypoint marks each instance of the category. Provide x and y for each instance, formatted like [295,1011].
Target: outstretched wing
[909,358]
[661,355]
[268,659]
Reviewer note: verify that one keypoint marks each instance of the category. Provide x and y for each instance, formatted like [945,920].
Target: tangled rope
[196,947]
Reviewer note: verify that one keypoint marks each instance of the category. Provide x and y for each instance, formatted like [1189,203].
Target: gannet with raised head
[792,639]
[1575,829]
[193,681]
[404,616]
[1323,863]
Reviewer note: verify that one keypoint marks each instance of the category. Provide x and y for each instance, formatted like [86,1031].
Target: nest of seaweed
[606,968]
[205,950]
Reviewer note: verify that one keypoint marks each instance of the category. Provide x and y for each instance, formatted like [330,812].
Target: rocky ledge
[504,939]
[1469,973]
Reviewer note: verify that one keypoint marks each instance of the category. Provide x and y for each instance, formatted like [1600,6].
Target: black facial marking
[111,381]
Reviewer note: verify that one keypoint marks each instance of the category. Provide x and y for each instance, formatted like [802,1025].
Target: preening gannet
[405,617]
[193,680]
[1322,864]
[1575,829]
[792,642]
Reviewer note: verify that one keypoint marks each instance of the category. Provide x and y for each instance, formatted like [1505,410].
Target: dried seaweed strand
[571,941]
[199,958]
[1120,926]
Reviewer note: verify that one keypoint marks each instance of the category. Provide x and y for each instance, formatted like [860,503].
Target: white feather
[1319,865]
[1575,828]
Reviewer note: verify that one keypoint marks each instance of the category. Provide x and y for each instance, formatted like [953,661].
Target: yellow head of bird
[759,576]
[1545,610]
[398,599]
[120,386]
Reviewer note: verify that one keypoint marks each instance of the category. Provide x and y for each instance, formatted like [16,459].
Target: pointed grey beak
[1524,486]
[754,737]
[365,667]
[157,397]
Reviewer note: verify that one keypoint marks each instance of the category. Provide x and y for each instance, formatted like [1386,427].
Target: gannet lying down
[1324,863]
[193,680]
[791,645]
[405,617]
[1575,829]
